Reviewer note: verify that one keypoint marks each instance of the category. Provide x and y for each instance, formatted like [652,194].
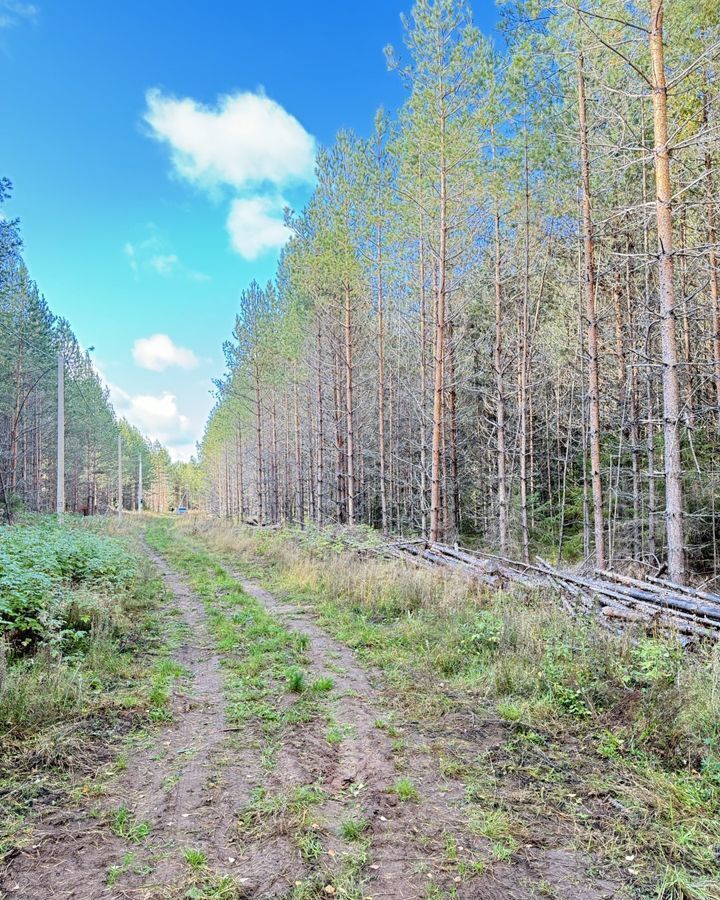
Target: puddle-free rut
[196,777]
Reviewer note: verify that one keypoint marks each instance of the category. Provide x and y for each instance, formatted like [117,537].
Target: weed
[322,685]
[509,711]
[677,884]
[295,679]
[291,808]
[495,825]
[309,845]
[337,733]
[196,859]
[125,825]
[444,643]
[114,873]
[208,886]
[353,829]
[405,790]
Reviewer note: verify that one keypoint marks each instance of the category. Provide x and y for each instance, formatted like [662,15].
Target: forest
[432,612]
[98,444]
[498,319]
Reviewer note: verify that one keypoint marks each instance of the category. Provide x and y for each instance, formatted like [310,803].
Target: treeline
[32,340]
[499,315]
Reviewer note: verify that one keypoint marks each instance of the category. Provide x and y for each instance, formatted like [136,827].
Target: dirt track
[196,777]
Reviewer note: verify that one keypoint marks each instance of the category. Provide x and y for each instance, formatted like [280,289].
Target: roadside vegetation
[83,664]
[615,740]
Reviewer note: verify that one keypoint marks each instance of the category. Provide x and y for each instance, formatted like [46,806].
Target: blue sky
[152,145]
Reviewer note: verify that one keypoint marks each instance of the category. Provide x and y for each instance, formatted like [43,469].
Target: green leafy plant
[126,826]
[196,859]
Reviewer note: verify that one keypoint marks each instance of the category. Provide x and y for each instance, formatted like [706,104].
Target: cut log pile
[617,600]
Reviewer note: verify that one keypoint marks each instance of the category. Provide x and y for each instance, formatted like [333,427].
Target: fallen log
[703,610]
[684,589]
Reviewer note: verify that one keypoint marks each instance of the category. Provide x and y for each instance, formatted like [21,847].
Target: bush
[42,570]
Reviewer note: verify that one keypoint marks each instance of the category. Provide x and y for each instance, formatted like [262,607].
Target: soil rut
[410,840]
[195,779]
[187,785]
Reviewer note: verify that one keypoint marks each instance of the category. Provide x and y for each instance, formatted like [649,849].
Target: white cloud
[157,415]
[256,225]
[12,12]
[158,418]
[164,263]
[158,352]
[247,142]
[246,139]
[154,254]
[181,452]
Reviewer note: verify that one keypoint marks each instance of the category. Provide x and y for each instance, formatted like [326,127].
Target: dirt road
[344,804]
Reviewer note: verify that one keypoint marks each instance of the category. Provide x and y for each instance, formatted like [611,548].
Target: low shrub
[44,569]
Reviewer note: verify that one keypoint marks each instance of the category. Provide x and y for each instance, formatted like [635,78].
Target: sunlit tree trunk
[592,325]
[671,385]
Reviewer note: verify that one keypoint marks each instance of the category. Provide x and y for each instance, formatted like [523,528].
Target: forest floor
[292,766]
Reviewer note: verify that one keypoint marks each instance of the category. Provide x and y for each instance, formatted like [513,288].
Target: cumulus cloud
[256,225]
[245,142]
[156,415]
[246,139]
[182,452]
[158,352]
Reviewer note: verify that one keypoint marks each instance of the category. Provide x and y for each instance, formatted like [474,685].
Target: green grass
[295,679]
[206,885]
[405,790]
[353,829]
[495,825]
[262,659]
[126,826]
[309,845]
[289,810]
[196,859]
[88,678]
[677,884]
[337,733]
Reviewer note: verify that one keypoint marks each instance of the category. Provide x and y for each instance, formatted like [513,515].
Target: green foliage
[309,845]
[196,859]
[657,661]
[295,680]
[353,829]
[322,685]
[42,568]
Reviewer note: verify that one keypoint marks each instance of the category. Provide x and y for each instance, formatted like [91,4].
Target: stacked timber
[617,600]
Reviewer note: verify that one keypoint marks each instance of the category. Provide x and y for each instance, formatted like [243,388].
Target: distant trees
[499,315]
[32,338]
